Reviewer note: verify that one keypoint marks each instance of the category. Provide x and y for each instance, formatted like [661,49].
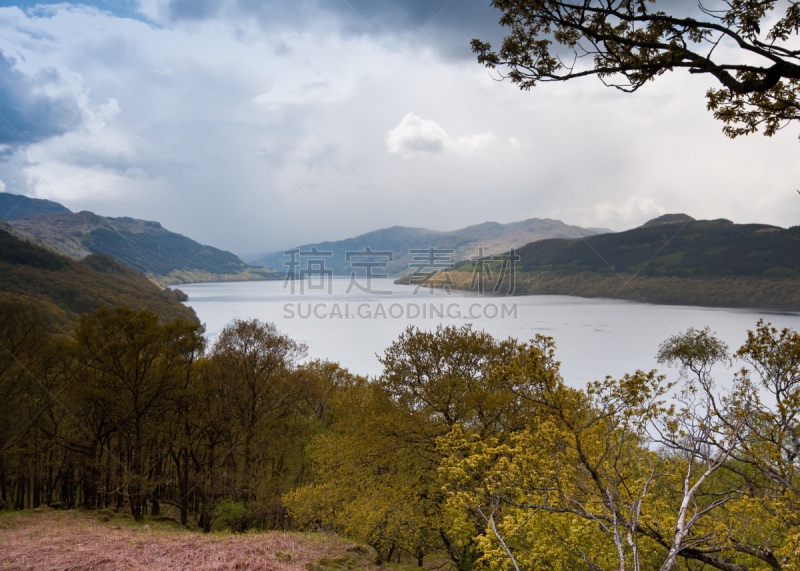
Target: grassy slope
[79,287]
[94,541]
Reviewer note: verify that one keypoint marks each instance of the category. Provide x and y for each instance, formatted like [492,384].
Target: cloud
[191,9]
[282,125]
[472,143]
[444,25]
[635,210]
[417,136]
[31,107]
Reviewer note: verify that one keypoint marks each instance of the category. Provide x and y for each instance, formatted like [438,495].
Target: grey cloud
[191,9]
[29,116]
[448,25]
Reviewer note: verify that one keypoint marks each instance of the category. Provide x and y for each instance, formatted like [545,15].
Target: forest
[63,288]
[465,445]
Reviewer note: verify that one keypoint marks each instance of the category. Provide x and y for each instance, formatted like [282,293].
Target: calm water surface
[594,337]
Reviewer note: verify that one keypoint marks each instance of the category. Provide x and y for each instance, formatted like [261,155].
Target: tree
[375,471]
[367,483]
[130,363]
[23,340]
[186,417]
[255,365]
[615,476]
[28,355]
[628,43]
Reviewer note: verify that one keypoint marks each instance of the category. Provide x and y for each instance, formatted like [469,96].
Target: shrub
[235,514]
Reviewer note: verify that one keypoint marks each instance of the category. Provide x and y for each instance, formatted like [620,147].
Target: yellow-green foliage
[614,476]
[199,276]
[375,473]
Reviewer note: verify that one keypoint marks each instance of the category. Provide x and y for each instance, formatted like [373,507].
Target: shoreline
[728,292]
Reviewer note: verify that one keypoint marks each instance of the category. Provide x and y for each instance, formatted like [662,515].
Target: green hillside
[67,288]
[164,256]
[682,249]
[160,252]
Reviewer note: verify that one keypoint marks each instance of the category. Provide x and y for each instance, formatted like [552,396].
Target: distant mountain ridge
[145,246]
[13,206]
[491,237]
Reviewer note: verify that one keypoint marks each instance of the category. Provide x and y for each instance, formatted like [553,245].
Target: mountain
[164,256]
[467,242]
[13,206]
[65,288]
[681,248]
[682,261]
[667,219]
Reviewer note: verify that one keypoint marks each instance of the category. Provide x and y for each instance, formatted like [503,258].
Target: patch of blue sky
[119,8]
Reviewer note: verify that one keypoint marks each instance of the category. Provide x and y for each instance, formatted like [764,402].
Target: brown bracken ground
[104,541]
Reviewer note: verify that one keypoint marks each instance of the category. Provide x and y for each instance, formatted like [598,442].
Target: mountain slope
[13,206]
[683,249]
[164,256]
[467,242]
[667,219]
[686,261]
[68,288]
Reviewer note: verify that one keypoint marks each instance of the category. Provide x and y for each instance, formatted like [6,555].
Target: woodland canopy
[466,446]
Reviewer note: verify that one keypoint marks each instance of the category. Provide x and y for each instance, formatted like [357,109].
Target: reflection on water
[594,337]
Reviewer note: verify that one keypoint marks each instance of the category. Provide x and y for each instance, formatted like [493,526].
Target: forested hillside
[65,288]
[466,448]
[694,248]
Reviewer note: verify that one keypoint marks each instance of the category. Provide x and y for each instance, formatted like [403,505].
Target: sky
[259,125]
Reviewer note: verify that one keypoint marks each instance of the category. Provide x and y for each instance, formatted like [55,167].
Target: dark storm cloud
[29,116]
[447,25]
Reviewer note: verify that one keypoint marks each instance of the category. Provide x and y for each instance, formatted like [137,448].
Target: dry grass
[74,541]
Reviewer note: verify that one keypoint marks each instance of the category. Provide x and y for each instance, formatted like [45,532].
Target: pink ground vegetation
[67,541]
